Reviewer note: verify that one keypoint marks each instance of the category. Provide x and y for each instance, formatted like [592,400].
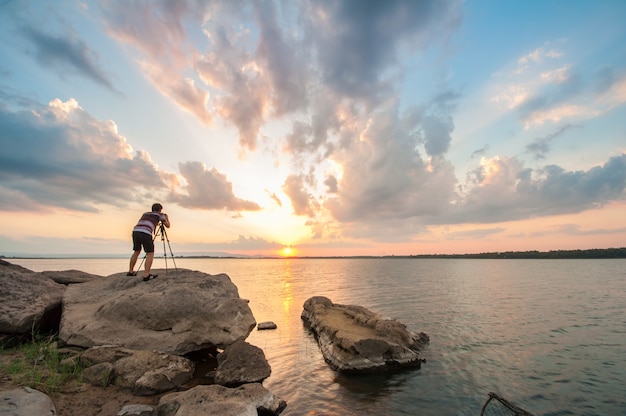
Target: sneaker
[149,277]
[131,274]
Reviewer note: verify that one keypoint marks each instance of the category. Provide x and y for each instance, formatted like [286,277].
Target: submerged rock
[354,339]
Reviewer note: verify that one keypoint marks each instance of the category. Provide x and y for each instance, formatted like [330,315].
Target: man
[142,236]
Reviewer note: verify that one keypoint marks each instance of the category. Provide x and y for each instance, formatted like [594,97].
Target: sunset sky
[331,127]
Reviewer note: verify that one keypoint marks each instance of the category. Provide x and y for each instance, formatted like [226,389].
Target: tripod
[161,231]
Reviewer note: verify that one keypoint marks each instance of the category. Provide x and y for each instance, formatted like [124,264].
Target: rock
[179,312]
[266,325]
[136,410]
[28,302]
[99,375]
[247,400]
[25,402]
[354,339]
[67,277]
[241,363]
[145,373]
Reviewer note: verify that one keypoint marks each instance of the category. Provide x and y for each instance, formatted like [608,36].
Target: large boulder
[354,339]
[179,312]
[247,400]
[241,363]
[28,302]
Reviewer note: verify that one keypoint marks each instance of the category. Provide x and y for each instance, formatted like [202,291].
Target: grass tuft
[39,365]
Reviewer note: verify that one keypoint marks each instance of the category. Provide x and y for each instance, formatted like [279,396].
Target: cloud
[474,234]
[251,243]
[479,152]
[356,43]
[155,28]
[208,189]
[384,174]
[545,89]
[59,156]
[576,230]
[257,69]
[184,92]
[302,201]
[541,145]
[501,189]
[67,54]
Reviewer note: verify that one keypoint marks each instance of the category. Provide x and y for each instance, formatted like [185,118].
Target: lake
[548,335]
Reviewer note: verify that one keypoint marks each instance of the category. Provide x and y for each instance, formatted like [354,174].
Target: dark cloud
[437,136]
[541,145]
[479,152]
[357,41]
[283,58]
[506,191]
[67,54]
[209,189]
[60,156]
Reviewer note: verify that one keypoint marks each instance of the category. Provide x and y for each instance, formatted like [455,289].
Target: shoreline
[594,253]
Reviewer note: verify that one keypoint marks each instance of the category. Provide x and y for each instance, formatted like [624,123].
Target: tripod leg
[164,252]
[170,247]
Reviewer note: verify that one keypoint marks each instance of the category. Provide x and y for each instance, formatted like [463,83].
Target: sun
[288,251]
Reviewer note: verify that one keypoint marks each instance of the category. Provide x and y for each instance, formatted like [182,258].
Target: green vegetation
[39,365]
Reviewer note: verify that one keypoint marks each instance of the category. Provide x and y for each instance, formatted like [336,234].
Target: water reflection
[287,290]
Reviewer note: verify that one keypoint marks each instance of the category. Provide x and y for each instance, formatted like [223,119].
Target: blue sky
[331,127]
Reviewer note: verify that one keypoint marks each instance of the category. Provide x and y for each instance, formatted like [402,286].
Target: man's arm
[165,220]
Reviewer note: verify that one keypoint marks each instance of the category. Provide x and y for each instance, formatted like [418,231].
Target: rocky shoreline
[179,338]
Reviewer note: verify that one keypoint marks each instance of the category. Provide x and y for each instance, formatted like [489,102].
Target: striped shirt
[148,221]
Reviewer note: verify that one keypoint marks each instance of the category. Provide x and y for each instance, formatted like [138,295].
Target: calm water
[549,335]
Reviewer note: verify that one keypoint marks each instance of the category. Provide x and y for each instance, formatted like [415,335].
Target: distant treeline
[595,253]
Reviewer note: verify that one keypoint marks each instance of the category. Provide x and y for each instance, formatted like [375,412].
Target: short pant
[143,239]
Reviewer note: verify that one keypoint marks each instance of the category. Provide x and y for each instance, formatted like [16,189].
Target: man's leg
[149,258]
[133,261]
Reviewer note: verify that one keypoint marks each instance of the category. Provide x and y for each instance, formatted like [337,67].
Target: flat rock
[355,339]
[25,401]
[179,312]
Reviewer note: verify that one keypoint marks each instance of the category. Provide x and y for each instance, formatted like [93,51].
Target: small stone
[136,410]
[266,325]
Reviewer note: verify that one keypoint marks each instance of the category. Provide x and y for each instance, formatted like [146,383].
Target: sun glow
[288,251]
